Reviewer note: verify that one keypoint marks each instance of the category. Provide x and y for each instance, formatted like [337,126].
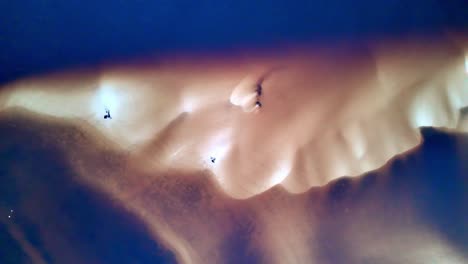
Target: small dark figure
[107,114]
[213,159]
[259,90]
[258,104]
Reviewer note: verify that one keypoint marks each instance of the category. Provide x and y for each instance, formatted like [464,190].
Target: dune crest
[322,115]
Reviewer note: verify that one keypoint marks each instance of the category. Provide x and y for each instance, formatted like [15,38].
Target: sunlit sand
[321,117]
[293,118]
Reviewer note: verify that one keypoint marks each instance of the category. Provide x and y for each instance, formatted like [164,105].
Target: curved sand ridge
[323,112]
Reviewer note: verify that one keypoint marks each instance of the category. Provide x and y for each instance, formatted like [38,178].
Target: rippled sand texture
[187,140]
[324,111]
[413,210]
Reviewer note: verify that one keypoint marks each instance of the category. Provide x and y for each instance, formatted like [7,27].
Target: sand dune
[62,177]
[323,113]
